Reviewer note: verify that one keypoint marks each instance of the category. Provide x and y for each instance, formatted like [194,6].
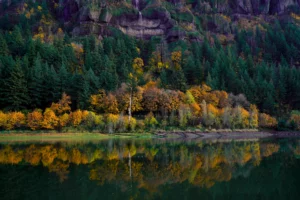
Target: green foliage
[15,89]
[262,62]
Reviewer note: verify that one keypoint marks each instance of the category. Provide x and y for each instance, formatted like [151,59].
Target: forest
[52,80]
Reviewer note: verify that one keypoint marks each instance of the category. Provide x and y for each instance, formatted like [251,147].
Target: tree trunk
[130,105]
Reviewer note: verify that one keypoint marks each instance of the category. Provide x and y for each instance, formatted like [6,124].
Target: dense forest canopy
[253,57]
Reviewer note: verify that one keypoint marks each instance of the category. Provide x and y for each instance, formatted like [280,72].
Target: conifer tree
[16,90]
[63,76]
[36,87]
[3,46]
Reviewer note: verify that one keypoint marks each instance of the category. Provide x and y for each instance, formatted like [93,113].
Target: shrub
[266,121]
[184,113]
[91,121]
[112,121]
[132,124]
[150,121]
[295,119]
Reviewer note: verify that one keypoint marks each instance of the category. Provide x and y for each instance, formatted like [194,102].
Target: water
[151,169]
[140,20]
[137,4]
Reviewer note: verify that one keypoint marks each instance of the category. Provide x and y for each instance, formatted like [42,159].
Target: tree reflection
[146,164]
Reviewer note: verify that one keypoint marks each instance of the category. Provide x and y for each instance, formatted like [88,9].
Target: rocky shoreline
[236,135]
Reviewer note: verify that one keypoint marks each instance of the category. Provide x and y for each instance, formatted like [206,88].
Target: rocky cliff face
[144,18]
[262,6]
[133,22]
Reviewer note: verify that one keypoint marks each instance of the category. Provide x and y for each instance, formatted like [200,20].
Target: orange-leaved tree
[123,98]
[35,119]
[15,120]
[62,109]
[102,103]
[63,105]
[50,120]
[176,58]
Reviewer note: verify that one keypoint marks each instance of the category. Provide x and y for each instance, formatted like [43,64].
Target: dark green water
[151,169]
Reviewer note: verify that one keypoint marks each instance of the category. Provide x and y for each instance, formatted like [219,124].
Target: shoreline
[65,137]
[162,135]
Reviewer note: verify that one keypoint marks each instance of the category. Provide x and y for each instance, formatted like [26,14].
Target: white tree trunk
[130,105]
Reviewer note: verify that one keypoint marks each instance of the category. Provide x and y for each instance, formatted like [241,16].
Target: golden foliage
[3,119]
[138,65]
[176,57]
[63,106]
[103,103]
[150,120]
[50,119]
[203,165]
[35,119]
[266,121]
[76,118]
[14,120]
[123,98]
[295,16]
[253,121]
[32,155]
[295,118]
[63,120]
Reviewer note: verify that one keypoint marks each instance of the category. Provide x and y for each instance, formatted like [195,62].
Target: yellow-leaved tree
[103,103]
[132,83]
[62,110]
[63,106]
[50,120]
[35,119]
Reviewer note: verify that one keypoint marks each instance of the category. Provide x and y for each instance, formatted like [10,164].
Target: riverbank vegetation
[121,83]
[154,108]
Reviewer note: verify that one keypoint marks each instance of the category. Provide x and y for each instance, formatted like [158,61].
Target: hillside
[199,56]
[171,19]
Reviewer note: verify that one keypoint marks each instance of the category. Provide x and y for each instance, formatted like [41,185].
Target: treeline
[44,70]
[154,108]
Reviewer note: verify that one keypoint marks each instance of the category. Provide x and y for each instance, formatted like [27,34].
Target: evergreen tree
[3,46]
[79,92]
[92,81]
[7,63]
[17,42]
[51,80]
[63,76]
[36,85]
[16,90]
[178,80]
[88,63]
[190,71]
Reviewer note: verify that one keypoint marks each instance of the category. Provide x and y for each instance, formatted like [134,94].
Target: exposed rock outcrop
[140,23]
[262,6]
[134,23]
[145,18]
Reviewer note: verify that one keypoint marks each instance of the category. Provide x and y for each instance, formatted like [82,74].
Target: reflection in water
[136,169]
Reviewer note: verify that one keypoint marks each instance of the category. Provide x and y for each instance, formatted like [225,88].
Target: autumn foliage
[189,163]
[200,106]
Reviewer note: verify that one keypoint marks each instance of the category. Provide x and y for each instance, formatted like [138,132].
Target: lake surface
[151,169]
